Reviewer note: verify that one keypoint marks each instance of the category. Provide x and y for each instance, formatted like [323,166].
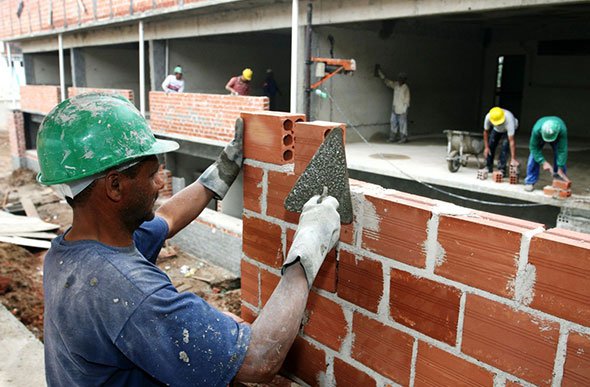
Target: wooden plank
[13,224]
[26,242]
[29,207]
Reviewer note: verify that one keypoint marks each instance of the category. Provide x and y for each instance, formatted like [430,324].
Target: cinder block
[252,188]
[360,280]
[262,241]
[249,282]
[347,375]
[561,184]
[562,278]
[326,322]
[513,341]
[375,345]
[434,364]
[577,362]
[424,305]
[269,136]
[497,176]
[268,284]
[326,278]
[306,361]
[308,137]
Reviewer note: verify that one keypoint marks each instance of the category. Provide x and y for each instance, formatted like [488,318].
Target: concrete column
[78,64]
[158,69]
[29,69]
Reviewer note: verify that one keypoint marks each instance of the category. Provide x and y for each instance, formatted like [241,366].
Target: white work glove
[316,235]
[221,174]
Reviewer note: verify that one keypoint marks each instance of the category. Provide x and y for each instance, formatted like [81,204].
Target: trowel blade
[326,168]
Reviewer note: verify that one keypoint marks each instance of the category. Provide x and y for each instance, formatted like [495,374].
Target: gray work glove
[221,174]
[316,235]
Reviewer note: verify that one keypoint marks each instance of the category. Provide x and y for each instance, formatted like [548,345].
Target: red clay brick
[279,186]
[268,284]
[360,280]
[510,383]
[549,190]
[249,282]
[268,136]
[347,233]
[326,277]
[262,241]
[247,314]
[306,361]
[513,341]
[577,362]
[480,252]
[252,188]
[436,367]
[349,376]
[308,138]
[424,305]
[384,349]
[326,322]
[562,280]
[39,98]
[564,185]
[396,229]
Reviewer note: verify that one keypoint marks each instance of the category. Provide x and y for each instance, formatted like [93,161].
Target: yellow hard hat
[497,116]
[247,74]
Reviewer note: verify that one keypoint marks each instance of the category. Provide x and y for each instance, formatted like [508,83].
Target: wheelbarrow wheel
[454,161]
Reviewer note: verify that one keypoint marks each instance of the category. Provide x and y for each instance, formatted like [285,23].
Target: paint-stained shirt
[509,125]
[114,318]
[401,96]
[173,85]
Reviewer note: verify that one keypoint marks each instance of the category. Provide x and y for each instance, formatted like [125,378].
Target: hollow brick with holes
[308,138]
[360,280]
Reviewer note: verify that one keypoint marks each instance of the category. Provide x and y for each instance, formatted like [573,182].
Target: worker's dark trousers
[495,139]
[533,167]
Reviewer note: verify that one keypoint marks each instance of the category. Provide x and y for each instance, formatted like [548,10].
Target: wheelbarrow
[461,146]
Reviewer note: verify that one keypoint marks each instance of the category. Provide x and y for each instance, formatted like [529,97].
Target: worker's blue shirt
[112,317]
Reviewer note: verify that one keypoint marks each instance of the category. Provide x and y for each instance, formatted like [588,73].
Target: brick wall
[39,98]
[418,292]
[209,116]
[16,133]
[127,93]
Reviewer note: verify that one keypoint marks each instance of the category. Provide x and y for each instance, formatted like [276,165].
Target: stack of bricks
[39,99]
[559,189]
[514,174]
[16,134]
[498,176]
[210,116]
[417,292]
[482,174]
[127,93]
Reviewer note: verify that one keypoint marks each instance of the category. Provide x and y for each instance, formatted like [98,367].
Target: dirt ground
[21,276]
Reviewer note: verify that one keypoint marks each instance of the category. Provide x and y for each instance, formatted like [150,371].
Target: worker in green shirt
[550,130]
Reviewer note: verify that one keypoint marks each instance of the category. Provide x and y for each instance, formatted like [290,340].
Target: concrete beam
[158,60]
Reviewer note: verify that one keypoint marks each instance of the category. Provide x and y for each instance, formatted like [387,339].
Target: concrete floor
[423,159]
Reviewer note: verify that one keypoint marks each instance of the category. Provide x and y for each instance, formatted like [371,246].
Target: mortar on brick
[560,356]
[524,282]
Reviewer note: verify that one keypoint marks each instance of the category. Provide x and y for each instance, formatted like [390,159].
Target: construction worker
[174,83]
[113,317]
[550,130]
[499,126]
[271,89]
[400,105]
[240,84]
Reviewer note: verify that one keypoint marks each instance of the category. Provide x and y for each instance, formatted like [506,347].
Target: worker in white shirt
[174,83]
[400,105]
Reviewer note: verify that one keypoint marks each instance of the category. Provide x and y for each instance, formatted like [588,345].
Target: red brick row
[39,98]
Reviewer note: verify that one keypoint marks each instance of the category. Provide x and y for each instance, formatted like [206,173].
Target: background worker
[400,105]
[240,84]
[547,130]
[271,89]
[112,316]
[174,83]
[499,126]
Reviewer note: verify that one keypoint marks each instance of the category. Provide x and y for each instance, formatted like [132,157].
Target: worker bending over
[400,105]
[240,84]
[550,130]
[112,317]
[499,126]
[174,83]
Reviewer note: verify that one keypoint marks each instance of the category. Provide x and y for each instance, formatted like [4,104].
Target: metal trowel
[328,169]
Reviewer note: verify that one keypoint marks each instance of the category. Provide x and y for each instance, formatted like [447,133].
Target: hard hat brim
[497,122]
[158,147]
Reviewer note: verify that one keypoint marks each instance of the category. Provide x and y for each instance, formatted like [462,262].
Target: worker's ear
[113,186]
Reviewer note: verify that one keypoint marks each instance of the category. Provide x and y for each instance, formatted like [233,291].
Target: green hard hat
[178,69]
[550,130]
[91,133]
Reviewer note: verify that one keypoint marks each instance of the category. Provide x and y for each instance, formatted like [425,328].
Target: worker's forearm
[275,329]
[485,139]
[184,207]
[512,147]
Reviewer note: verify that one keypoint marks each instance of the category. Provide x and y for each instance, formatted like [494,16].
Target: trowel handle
[323,195]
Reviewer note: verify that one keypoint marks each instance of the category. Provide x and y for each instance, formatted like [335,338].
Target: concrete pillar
[158,70]
[78,62]
[29,64]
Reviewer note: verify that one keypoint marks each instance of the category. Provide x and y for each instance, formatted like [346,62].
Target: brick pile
[210,116]
[514,174]
[559,189]
[39,99]
[127,93]
[418,292]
